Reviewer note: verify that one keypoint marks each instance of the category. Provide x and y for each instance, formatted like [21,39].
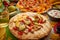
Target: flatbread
[28,29]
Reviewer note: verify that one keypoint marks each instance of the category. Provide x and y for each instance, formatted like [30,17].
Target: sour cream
[54,13]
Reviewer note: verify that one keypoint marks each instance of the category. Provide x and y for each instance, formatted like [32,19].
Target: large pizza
[29,25]
[34,5]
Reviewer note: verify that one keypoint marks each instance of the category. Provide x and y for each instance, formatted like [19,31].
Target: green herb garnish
[8,34]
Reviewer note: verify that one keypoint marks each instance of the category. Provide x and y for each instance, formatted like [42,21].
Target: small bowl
[53,18]
[57,28]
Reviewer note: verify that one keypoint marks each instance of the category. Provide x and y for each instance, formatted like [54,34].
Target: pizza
[39,6]
[29,25]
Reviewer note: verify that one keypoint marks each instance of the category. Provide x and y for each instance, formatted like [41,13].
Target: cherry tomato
[6,3]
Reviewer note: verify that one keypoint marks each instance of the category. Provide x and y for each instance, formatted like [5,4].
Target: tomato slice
[15,28]
[27,8]
[20,3]
[29,29]
[22,21]
[41,21]
[29,18]
[20,33]
[31,24]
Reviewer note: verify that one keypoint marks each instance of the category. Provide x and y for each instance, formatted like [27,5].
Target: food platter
[34,6]
[29,20]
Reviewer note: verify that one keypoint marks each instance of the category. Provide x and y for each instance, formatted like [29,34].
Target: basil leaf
[8,34]
[1,8]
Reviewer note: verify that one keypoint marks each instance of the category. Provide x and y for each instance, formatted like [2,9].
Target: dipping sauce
[54,13]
